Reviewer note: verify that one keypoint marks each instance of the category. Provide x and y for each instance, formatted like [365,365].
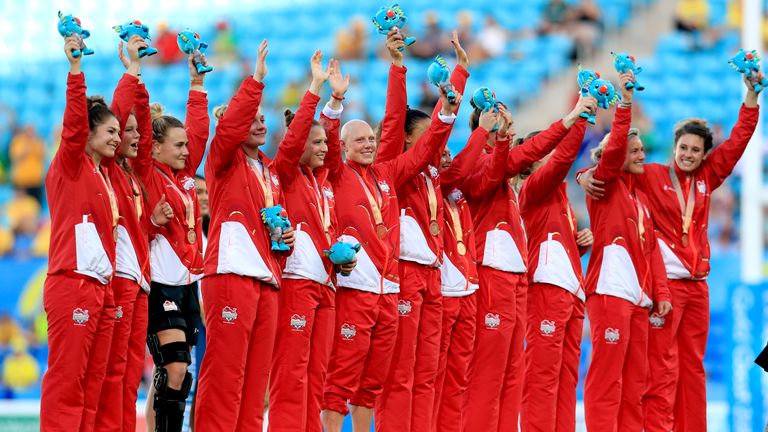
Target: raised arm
[612,160]
[232,129]
[291,148]
[142,164]
[392,139]
[460,74]
[465,161]
[719,164]
[548,177]
[489,172]
[330,119]
[123,98]
[197,122]
[416,159]
[74,133]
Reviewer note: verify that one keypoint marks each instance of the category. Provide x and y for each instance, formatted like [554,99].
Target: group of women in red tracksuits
[464,307]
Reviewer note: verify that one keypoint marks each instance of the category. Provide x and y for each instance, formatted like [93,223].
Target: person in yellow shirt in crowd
[27,154]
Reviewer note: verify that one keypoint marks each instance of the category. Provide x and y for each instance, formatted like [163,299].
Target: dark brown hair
[289,115]
[98,112]
[696,127]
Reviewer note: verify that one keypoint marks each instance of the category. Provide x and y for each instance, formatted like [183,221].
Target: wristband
[337,98]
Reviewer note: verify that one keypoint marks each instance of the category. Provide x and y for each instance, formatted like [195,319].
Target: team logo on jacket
[118,313]
[701,186]
[229,314]
[298,322]
[169,306]
[612,335]
[456,195]
[80,316]
[433,172]
[547,327]
[492,321]
[657,321]
[275,180]
[328,192]
[348,331]
[404,307]
[188,183]
[384,186]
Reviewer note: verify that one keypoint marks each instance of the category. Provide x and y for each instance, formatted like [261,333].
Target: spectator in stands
[585,25]
[168,51]
[351,42]
[224,44]
[6,240]
[20,369]
[23,212]
[721,226]
[692,16]
[491,41]
[554,18]
[432,42]
[9,330]
[27,152]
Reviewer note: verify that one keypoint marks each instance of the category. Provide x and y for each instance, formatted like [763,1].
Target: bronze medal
[191,237]
[461,248]
[381,230]
[433,228]
[685,240]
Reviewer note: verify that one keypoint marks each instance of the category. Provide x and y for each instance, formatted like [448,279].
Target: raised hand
[505,121]
[626,93]
[319,76]
[585,104]
[72,43]
[339,83]
[488,119]
[395,43]
[449,108]
[261,62]
[461,56]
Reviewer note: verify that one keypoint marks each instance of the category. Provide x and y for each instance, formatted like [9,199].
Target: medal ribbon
[432,197]
[686,208]
[269,200]
[374,203]
[189,206]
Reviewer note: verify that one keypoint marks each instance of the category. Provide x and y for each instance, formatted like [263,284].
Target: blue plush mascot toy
[68,26]
[748,62]
[276,219]
[342,253]
[438,74]
[189,43]
[392,16]
[604,92]
[625,62]
[135,27]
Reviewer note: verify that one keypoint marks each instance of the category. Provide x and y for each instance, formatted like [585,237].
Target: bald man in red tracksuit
[408,397]
[555,294]
[367,210]
[495,385]
[676,398]
[625,279]
[458,283]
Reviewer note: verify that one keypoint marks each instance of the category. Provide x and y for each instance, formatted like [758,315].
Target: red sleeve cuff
[460,69]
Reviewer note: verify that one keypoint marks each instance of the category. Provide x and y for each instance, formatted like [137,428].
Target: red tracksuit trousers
[240,324]
[363,342]
[677,395]
[409,391]
[111,406]
[492,401]
[134,368]
[80,325]
[456,345]
[617,376]
[306,315]
[555,321]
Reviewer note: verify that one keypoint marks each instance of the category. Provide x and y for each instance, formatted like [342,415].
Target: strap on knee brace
[169,353]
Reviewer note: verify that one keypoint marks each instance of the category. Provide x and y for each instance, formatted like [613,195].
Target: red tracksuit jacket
[376,269]
[500,235]
[132,261]
[625,260]
[417,243]
[308,196]
[82,218]
[458,272]
[692,262]
[238,239]
[549,221]
[173,259]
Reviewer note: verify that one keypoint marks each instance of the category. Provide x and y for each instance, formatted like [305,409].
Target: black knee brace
[168,353]
[170,403]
